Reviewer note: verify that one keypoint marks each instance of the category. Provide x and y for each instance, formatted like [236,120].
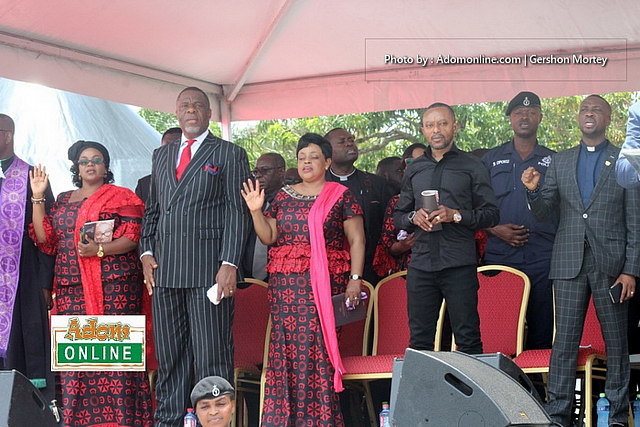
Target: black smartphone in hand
[615,292]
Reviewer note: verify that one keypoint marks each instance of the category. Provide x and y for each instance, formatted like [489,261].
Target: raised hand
[253,195]
[531,178]
[39,180]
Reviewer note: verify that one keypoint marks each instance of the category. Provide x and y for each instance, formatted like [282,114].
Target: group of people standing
[189,233]
[204,218]
[560,217]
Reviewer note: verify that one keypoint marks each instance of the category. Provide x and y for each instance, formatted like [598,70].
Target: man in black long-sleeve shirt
[443,262]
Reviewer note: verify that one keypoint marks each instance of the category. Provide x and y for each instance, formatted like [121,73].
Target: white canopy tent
[48,121]
[287,58]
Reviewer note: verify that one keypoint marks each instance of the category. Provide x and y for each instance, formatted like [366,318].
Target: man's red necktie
[185,158]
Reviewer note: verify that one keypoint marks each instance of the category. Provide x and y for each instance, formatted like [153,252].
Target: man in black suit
[269,171]
[142,188]
[597,246]
[372,191]
[194,227]
[391,169]
[443,257]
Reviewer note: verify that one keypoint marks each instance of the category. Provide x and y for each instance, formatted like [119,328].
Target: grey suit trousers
[572,299]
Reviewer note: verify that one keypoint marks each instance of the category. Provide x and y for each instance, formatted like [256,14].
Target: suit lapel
[195,166]
[172,161]
[572,164]
[609,165]
[198,160]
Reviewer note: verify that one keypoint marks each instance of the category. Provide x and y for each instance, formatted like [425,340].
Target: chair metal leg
[236,420]
[588,399]
[370,409]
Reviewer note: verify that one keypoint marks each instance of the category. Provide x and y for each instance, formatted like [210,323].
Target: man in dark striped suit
[195,225]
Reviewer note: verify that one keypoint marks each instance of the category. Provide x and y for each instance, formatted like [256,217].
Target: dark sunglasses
[95,161]
[262,171]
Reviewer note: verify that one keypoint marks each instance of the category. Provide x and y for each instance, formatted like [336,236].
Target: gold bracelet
[37,201]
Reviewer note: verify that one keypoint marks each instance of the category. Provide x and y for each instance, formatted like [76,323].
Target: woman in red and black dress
[95,278]
[393,252]
[317,237]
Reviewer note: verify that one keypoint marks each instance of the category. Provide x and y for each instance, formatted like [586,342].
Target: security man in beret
[519,240]
[214,401]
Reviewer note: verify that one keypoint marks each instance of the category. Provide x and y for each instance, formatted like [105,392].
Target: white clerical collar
[342,177]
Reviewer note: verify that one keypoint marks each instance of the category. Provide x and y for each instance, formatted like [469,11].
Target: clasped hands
[426,220]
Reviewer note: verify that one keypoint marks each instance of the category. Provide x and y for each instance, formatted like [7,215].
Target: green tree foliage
[388,133]
[486,126]
[378,135]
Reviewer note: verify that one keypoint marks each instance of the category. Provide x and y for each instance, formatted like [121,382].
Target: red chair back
[250,322]
[592,331]
[353,336]
[502,305]
[390,315]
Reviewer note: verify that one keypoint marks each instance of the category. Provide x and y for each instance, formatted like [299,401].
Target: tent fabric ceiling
[287,58]
[48,121]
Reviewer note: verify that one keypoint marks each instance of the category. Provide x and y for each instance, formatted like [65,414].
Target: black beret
[79,146]
[210,388]
[523,99]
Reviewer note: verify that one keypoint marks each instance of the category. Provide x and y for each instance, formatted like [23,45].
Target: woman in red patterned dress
[95,278]
[393,252]
[317,237]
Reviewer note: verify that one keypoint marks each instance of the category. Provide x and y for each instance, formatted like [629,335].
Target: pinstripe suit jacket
[193,225]
[610,222]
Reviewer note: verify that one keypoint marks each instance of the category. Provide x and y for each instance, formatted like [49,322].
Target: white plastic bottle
[602,408]
[385,415]
[636,411]
[190,419]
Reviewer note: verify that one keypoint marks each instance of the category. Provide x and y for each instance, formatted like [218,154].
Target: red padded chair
[502,306]
[250,337]
[390,338]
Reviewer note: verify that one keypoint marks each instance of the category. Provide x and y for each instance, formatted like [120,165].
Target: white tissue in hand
[212,294]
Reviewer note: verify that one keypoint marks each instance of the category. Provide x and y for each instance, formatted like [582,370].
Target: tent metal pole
[225,119]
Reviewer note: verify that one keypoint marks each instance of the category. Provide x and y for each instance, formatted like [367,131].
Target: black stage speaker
[497,360]
[451,389]
[508,366]
[21,404]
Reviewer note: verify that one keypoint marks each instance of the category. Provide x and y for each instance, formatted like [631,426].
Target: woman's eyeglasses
[95,161]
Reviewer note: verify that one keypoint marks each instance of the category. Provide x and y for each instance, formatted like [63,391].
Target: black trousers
[425,291]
